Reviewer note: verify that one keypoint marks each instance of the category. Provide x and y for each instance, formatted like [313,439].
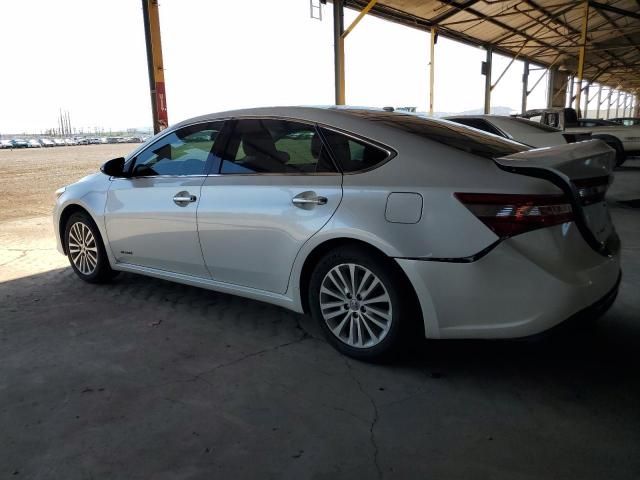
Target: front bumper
[524,286]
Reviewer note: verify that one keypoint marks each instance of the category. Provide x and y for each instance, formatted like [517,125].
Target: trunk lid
[583,171]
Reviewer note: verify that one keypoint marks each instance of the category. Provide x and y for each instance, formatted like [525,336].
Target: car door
[277,186]
[151,215]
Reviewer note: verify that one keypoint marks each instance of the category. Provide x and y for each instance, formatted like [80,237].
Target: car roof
[327,114]
[366,121]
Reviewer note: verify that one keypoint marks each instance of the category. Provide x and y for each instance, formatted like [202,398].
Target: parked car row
[65,142]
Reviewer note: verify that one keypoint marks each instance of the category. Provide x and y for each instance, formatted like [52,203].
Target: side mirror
[114,168]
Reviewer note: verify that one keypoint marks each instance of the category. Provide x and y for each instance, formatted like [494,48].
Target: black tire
[402,301]
[101,272]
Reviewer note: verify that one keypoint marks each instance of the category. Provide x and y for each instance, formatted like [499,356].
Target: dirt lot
[143,378]
[33,174]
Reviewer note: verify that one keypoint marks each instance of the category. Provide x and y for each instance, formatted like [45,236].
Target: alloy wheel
[355,305]
[83,249]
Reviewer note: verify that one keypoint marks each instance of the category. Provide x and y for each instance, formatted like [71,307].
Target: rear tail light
[592,190]
[508,215]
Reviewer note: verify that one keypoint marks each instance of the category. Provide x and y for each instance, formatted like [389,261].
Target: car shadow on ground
[603,349]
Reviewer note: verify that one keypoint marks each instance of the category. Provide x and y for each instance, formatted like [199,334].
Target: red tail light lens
[592,190]
[508,215]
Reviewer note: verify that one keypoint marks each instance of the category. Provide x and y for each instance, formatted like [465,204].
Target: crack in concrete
[199,376]
[374,421]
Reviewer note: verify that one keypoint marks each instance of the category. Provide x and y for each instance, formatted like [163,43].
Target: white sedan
[384,226]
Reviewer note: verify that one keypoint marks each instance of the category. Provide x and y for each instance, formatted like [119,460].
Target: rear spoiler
[562,166]
[588,159]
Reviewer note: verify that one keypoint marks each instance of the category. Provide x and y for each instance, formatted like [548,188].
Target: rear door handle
[182,199]
[308,200]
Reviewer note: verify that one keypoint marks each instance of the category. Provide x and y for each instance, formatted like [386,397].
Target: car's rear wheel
[85,249]
[361,302]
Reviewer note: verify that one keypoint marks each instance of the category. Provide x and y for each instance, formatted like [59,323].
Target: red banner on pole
[161,104]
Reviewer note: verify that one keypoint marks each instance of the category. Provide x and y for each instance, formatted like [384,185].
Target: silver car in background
[379,224]
[534,134]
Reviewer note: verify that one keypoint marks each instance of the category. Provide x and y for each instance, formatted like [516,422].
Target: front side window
[187,151]
[354,155]
[277,147]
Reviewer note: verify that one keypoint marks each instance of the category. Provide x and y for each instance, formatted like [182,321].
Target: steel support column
[338,50]
[486,70]
[627,105]
[339,34]
[586,100]
[617,105]
[599,101]
[609,103]
[571,85]
[583,47]
[432,67]
[557,91]
[525,86]
[154,64]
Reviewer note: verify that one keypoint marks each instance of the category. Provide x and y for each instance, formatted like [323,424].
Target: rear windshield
[535,125]
[445,132]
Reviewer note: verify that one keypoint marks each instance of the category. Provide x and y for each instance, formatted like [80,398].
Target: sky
[88,57]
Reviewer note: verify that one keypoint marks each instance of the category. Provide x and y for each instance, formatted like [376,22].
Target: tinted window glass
[447,133]
[535,125]
[591,122]
[353,155]
[183,152]
[552,119]
[478,123]
[275,146]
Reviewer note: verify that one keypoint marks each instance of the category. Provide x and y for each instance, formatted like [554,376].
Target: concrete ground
[147,379]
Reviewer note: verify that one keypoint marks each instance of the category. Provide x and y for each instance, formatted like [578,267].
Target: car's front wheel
[361,302]
[85,249]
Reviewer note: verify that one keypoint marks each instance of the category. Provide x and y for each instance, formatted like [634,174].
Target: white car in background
[624,140]
[521,130]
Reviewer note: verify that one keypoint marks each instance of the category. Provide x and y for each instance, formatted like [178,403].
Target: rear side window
[275,146]
[354,155]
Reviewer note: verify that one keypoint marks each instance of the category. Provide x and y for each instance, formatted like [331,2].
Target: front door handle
[182,199]
[308,200]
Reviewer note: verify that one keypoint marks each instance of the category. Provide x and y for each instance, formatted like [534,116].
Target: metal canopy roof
[546,32]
